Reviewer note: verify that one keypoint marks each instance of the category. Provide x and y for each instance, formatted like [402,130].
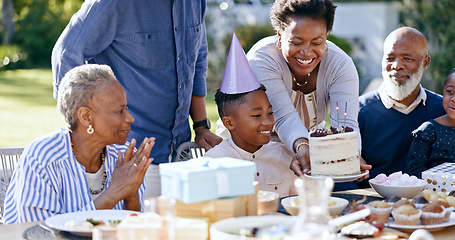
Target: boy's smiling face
[250,123]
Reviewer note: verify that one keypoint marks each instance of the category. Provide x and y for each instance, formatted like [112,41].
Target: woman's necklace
[103,183]
[299,84]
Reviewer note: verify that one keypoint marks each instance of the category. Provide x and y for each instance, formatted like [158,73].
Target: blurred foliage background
[30,28]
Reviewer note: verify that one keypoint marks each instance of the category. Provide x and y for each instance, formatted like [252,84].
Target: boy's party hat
[238,75]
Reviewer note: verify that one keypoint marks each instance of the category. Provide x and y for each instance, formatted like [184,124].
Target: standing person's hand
[300,163]
[364,166]
[206,139]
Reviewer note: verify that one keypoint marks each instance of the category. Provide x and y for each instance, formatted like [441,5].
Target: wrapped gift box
[216,210]
[204,178]
[440,178]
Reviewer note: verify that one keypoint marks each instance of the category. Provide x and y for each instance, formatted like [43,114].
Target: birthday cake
[334,152]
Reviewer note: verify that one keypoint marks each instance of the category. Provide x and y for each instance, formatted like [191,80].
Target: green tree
[435,19]
[38,24]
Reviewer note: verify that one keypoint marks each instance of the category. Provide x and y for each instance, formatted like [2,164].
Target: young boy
[247,113]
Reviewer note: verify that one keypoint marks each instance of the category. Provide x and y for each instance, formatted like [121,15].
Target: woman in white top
[305,75]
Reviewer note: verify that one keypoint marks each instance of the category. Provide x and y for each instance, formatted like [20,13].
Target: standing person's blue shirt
[158,52]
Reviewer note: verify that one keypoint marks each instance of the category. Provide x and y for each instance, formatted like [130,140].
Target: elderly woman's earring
[326,47]
[278,45]
[90,129]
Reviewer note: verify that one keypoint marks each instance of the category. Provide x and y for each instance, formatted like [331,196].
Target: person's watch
[203,123]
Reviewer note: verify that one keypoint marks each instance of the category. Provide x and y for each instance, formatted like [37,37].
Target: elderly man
[388,115]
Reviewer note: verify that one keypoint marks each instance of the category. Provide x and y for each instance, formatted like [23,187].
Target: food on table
[426,193]
[392,199]
[380,211]
[432,213]
[89,224]
[268,202]
[442,195]
[334,152]
[398,179]
[451,201]
[332,202]
[447,208]
[360,229]
[273,232]
[419,201]
[445,198]
[265,196]
[403,201]
[421,234]
[406,215]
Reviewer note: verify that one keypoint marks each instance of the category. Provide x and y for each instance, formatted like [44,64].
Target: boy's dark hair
[225,101]
[448,76]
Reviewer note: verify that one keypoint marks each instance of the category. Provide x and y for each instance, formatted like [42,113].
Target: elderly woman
[87,166]
[305,74]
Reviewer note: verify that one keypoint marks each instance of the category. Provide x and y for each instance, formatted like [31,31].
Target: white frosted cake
[334,154]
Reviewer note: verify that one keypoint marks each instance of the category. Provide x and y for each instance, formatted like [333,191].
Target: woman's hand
[364,166]
[300,163]
[127,177]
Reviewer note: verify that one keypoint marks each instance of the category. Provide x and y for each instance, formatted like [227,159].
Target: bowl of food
[252,227]
[395,190]
[268,202]
[397,184]
[336,205]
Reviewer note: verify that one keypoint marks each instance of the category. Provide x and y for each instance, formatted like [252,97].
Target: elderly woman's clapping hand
[129,174]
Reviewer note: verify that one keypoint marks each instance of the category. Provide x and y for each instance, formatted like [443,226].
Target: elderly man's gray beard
[401,90]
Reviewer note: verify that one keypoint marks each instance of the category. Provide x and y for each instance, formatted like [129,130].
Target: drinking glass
[165,208]
[312,221]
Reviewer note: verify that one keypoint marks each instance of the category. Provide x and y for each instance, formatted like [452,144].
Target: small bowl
[399,191]
[268,202]
[292,207]
[290,204]
[338,207]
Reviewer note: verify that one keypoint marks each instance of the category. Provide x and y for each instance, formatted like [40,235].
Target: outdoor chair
[188,150]
[9,157]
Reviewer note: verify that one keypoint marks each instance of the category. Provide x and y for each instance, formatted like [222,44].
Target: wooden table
[15,231]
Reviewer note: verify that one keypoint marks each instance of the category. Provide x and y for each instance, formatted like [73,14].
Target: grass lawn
[28,110]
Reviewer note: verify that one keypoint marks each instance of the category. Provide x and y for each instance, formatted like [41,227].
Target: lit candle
[338,117]
[345,114]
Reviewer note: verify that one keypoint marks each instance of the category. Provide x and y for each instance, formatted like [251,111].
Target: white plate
[228,229]
[347,178]
[411,228]
[58,221]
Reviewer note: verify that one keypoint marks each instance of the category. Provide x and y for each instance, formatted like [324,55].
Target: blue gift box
[205,178]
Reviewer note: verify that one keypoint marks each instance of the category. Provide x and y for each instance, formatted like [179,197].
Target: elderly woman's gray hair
[78,87]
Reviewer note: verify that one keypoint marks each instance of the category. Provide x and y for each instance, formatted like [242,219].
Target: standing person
[158,51]
[88,166]
[305,74]
[433,141]
[247,113]
[389,114]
